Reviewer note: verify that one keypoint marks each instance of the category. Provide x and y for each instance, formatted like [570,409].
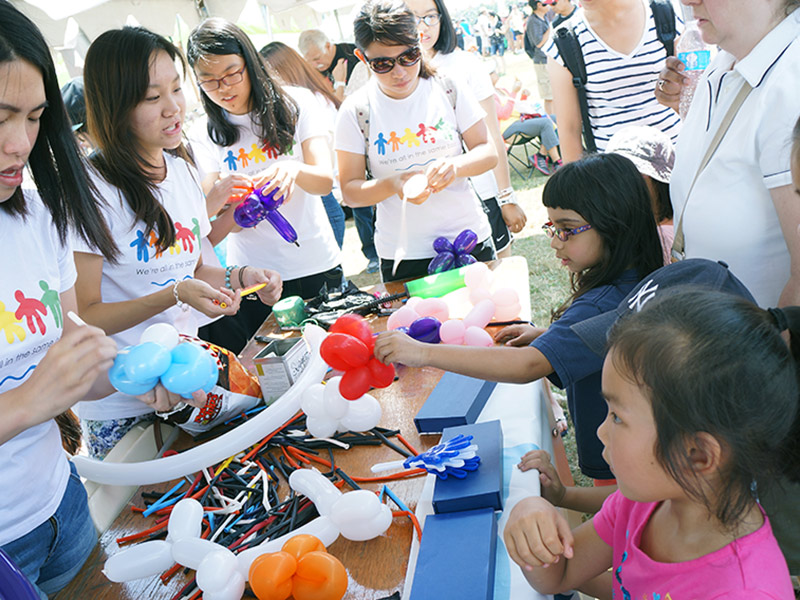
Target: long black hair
[713,362]
[608,191]
[55,160]
[388,22]
[116,76]
[272,111]
[446,42]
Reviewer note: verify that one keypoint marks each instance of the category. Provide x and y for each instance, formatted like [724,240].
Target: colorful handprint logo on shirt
[30,312]
[185,240]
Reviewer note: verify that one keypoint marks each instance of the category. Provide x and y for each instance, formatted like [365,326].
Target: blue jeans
[53,553]
[363,216]
[335,216]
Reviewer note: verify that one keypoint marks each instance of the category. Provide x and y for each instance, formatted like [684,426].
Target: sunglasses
[552,231]
[384,64]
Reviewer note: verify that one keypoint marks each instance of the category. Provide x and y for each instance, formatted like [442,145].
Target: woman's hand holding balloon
[670,83]
[271,292]
[518,335]
[280,176]
[160,399]
[208,300]
[398,183]
[441,173]
[398,348]
[536,534]
[226,188]
[553,489]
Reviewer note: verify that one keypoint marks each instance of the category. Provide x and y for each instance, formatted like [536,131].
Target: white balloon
[216,570]
[321,427]
[316,487]
[185,521]
[363,414]
[143,560]
[360,516]
[190,552]
[321,528]
[415,186]
[248,433]
[335,406]
[232,591]
[161,333]
[312,401]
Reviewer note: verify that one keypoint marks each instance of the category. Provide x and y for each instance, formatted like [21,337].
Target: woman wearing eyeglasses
[276,137]
[438,40]
[403,122]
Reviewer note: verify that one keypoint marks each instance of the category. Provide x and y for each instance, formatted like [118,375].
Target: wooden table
[376,568]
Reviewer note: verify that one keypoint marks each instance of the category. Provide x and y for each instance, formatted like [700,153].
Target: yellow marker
[251,289]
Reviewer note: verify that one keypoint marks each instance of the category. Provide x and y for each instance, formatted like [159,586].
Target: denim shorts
[53,553]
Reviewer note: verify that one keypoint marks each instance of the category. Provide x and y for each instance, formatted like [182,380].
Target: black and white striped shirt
[620,87]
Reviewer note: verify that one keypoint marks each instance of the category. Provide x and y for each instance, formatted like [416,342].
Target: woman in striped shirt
[623,58]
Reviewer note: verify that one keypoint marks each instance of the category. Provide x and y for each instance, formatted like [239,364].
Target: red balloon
[357,326]
[343,352]
[382,375]
[355,383]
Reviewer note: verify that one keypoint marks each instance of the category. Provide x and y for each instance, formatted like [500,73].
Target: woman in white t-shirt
[47,361]
[438,40]
[414,124]
[277,138]
[156,212]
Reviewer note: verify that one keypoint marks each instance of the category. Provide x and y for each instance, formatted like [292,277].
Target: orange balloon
[271,575]
[303,544]
[319,576]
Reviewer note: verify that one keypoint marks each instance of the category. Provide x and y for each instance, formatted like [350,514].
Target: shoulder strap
[450,90]
[664,17]
[572,55]
[362,115]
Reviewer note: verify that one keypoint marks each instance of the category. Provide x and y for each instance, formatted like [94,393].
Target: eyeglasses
[429,20]
[552,231]
[209,85]
[384,64]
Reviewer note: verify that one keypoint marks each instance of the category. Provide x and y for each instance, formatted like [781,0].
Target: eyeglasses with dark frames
[561,233]
[429,20]
[384,64]
[210,85]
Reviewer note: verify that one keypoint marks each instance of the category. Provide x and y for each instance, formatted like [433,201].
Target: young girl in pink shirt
[702,395]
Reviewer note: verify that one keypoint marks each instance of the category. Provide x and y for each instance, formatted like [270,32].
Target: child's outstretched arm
[506,364]
[553,558]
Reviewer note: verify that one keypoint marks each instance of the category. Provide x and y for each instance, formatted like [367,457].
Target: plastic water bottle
[695,55]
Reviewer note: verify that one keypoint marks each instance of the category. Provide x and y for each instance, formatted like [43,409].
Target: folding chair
[530,146]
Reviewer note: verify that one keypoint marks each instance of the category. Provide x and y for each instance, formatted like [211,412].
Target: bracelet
[507,199]
[241,280]
[182,305]
[338,84]
[228,271]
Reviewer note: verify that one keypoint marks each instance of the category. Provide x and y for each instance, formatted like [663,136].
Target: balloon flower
[455,254]
[181,367]
[327,411]
[260,206]
[349,348]
[457,457]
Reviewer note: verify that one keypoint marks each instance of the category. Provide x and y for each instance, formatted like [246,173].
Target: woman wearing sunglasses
[437,37]
[404,122]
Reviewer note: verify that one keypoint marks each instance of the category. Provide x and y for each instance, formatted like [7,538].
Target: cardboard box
[278,366]
[456,557]
[479,489]
[456,400]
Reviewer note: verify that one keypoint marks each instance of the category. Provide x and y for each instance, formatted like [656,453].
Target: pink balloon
[477,275]
[452,332]
[433,307]
[402,317]
[507,312]
[505,296]
[413,302]
[478,294]
[480,315]
[475,336]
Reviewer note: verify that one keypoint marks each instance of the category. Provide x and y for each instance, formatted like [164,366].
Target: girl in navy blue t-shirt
[602,229]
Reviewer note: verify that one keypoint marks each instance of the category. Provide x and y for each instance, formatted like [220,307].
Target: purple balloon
[465,259]
[443,261]
[282,226]
[442,244]
[425,329]
[259,206]
[250,212]
[465,242]
[13,584]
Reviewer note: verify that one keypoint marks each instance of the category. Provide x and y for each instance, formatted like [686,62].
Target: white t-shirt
[408,134]
[730,215]
[620,87]
[473,73]
[36,270]
[262,246]
[142,270]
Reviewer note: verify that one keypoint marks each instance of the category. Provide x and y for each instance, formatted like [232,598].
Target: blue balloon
[122,381]
[189,371]
[147,361]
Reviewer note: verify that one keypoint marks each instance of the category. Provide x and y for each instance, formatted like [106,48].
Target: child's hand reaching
[536,534]
[396,347]
[518,335]
[552,489]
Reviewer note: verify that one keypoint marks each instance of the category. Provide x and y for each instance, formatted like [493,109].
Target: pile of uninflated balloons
[427,320]
[181,367]
[349,347]
[453,255]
